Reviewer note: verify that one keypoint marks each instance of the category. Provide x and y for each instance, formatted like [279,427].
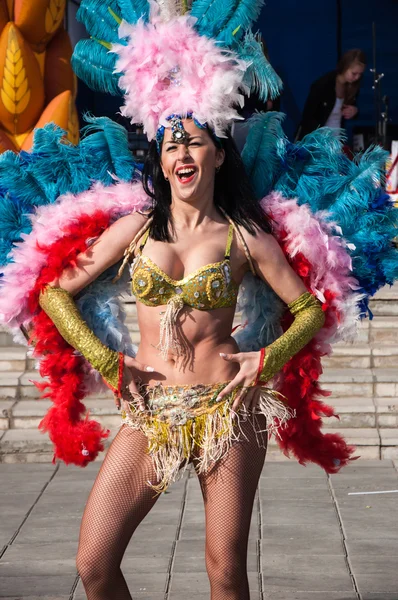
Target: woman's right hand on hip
[130,393]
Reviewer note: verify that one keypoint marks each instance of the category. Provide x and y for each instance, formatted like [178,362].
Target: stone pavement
[309,539]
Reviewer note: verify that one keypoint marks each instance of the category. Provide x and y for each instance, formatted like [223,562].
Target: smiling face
[190,167]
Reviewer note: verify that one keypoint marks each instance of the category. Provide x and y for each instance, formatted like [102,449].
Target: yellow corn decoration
[54,15]
[35,72]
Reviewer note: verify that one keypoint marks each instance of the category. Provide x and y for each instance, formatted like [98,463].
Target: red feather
[77,438]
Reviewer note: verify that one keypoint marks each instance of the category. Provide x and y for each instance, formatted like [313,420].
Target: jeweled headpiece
[174,58]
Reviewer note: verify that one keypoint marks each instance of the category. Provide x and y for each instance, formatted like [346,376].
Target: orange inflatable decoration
[37,84]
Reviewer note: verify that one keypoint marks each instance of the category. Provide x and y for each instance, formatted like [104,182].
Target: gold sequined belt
[176,404]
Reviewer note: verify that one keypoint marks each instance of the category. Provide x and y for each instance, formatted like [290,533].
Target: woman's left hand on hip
[249,364]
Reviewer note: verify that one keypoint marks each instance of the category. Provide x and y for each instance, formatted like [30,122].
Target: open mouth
[186,174]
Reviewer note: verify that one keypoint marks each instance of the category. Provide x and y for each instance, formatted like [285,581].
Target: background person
[332,98]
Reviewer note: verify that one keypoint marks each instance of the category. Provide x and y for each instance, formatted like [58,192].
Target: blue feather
[105,144]
[95,65]
[55,167]
[246,13]
[260,77]
[103,312]
[211,15]
[259,155]
[262,310]
[98,19]
[318,173]
[132,10]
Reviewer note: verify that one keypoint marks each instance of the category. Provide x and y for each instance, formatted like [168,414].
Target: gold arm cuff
[59,305]
[308,319]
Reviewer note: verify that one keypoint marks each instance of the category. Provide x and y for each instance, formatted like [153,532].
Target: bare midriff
[207,333]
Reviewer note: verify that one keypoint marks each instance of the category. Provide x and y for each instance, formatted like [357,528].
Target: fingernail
[142,408]
[218,398]
[150,369]
[222,355]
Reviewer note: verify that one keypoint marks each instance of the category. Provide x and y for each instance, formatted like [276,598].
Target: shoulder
[124,230]
[263,247]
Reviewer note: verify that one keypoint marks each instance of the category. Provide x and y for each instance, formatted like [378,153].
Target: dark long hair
[349,58]
[233,192]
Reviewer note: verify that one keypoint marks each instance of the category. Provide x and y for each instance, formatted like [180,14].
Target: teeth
[186,171]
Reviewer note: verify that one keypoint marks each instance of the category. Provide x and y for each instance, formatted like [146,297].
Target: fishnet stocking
[228,492]
[121,498]
[117,504]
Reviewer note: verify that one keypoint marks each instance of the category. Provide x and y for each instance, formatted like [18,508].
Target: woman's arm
[271,265]
[107,250]
[57,302]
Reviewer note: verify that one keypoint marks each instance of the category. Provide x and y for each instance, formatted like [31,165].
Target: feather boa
[60,232]
[322,261]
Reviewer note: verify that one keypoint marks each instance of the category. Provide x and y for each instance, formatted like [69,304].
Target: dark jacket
[319,104]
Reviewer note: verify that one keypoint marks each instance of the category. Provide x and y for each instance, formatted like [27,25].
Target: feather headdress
[175,57]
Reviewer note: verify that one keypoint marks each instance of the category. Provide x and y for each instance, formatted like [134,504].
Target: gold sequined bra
[207,288]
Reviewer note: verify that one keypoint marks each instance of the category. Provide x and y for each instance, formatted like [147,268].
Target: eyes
[173,147]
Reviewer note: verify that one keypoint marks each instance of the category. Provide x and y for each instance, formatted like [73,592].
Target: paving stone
[386,389]
[315,533]
[287,483]
[306,543]
[384,355]
[26,440]
[327,573]
[357,436]
[9,383]
[5,411]
[386,565]
[379,583]
[80,595]
[386,375]
[389,437]
[26,457]
[352,419]
[302,514]
[340,390]
[292,470]
[41,597]
[370,547]
[34,567]
[54,586]
[276,594]
[300,495]
[346,376]
[389,452]
[12,359]
[190,556]
[187,582]
[368,464]
[379,596]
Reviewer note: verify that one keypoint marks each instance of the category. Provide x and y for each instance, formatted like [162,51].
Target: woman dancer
[188,397]
[186,275]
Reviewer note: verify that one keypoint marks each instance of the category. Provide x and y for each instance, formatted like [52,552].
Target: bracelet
[260,367]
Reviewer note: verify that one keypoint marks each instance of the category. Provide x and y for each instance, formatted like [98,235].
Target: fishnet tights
[121,498]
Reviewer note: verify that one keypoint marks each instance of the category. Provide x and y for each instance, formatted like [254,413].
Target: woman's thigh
[119,500]
[229,489]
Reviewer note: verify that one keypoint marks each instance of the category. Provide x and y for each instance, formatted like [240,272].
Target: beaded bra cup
[207,288]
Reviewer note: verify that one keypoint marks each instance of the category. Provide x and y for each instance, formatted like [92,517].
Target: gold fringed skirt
[186,422]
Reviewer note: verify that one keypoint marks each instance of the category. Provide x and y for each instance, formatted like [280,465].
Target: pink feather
[168,68]
[49,222]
